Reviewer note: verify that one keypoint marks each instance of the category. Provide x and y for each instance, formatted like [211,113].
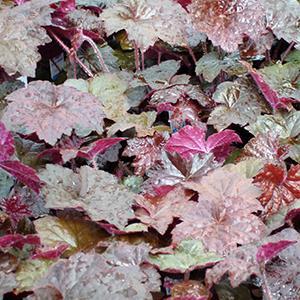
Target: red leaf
[98,147]
[15,208]
[50,254]
[23,173]
[279,189]
[191,140]
[271,96]
[7,148]
[270,250]
[18,240]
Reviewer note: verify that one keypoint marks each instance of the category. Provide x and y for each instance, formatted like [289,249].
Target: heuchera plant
[149,149]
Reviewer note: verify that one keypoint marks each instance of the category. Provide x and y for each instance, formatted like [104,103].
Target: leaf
[159,212]
[265,147]
[6,183]
[210,66]
[174,92]
[283,79]
[7,147]
[91,276]
[283,18]
[267,251]
[147,21]
[173,170]
[96,192]
[249,167]
[280,274]
[98,147]
[283,273]
[222,217]
[77,234]
[15,208]
[280,188]
[23,173]
[226,23]
[18,241]
[29,271]
[142,123]
[20,35]
[191,140]
[284,126]
[147,151]
[270,95]
[239,103]
[110,90]
[239,264]
[7,282]
[189,289]
[186,257]
[160,75]
[51,111]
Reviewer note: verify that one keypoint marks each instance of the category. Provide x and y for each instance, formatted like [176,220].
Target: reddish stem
[98,53]
[71,53]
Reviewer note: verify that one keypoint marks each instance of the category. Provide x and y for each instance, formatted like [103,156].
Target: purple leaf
[271,96]
[7,147]
[23,173]
[15,208]
[268,251]
[191,140]
[18,240]
[98,147]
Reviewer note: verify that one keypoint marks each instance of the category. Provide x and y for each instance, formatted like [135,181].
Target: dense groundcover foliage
[150,149]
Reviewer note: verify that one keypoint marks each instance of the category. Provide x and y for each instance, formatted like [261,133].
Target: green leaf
[210,66]
[285,126]
[284,79]
[6,183]
[189,255]
[31,270]
[78,234]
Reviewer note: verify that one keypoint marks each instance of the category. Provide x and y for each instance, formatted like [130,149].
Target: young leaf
[96,192]
[225,23]
[51,111]
[191,140]
[186,257]
[222,217]
[280,188]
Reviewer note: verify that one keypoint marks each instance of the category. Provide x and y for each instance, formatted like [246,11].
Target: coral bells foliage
[144,142]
